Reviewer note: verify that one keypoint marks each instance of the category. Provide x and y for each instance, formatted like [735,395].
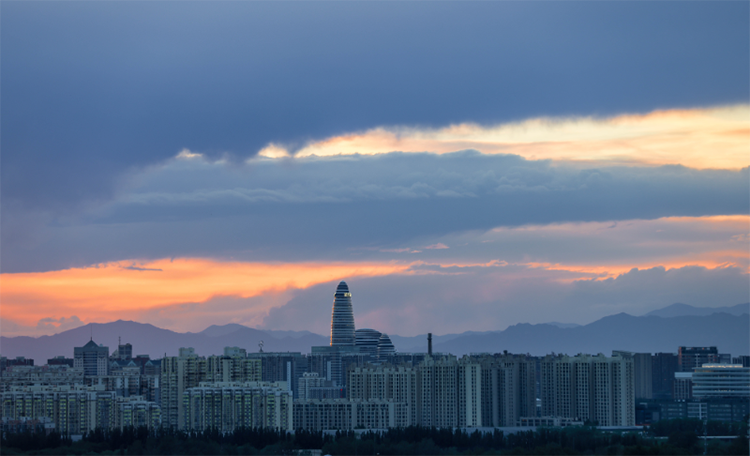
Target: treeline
[666,437]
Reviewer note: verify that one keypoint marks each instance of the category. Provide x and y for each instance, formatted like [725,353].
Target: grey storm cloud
[94,90]
[345,208]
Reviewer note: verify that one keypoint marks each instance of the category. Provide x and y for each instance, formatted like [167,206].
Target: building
[643,366]
[77,409]
[179,373]
[313,386]
[721,381]
[683,386]
[60,361]
[123,352]
[342,317]
[341,414]
[663,368]
[281,367]
[388,383]
[92,358]
[329,362]
[226,406]
[508,389]
[743,360]
[385,347]
[688,358]
[589,388]
[367,342]
[54,375]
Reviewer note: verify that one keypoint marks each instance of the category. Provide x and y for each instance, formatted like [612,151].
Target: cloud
[335,208]
[657,138]
[67,136]
[161,288]
[493,297]
[437,246]
[59,324]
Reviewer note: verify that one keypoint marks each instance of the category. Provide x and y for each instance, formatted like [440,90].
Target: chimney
[429,344]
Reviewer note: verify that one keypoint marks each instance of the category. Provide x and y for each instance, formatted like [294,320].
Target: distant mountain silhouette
[728,329]
[148,339]
[684,310]
[729,333]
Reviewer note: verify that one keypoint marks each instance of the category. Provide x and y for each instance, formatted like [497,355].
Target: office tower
[226,406]
[585,387]
[721,381]
[93,358]
[342,317]
[689,358]
[385,347]
[663,367]
[743,360]
[508,389]
[367,341]
[123,352]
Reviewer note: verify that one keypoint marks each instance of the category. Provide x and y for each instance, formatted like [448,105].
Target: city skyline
[463,167]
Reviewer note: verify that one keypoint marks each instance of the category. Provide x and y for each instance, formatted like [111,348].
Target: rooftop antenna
[429,344]
[260,344]
[91,327]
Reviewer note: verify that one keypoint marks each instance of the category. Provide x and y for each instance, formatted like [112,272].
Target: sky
[461,165]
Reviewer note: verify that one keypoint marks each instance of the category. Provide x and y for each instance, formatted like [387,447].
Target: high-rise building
[179,373]
[342,317]
[663,368]
[585,387]
[282,367]
[688,358]
[508,389]
[367,341]
[643,366]
[93,358]
[226,406]
[385,383]
[77,409]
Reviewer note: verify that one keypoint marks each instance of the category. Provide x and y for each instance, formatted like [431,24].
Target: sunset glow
[696,138]
[121,290]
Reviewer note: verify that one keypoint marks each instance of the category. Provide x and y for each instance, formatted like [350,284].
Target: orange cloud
[119,290]
[697,138]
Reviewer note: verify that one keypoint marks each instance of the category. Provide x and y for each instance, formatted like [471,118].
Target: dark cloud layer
[93,89]
[344,208]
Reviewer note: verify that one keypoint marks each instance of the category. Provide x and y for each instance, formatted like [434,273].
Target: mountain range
[659,331]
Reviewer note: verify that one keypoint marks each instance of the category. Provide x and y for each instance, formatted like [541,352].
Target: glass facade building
[342,317]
